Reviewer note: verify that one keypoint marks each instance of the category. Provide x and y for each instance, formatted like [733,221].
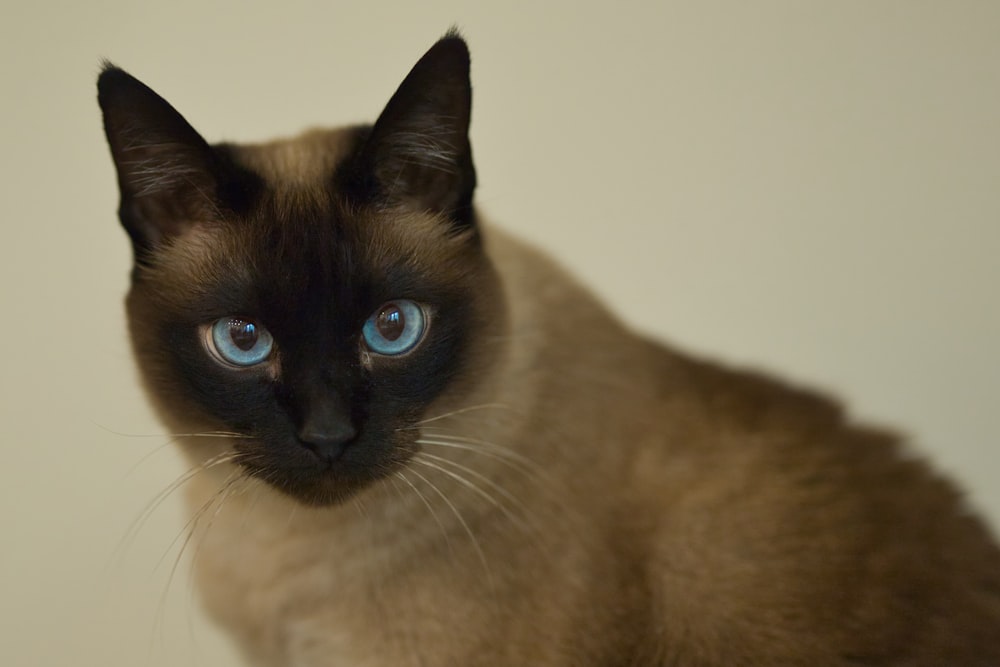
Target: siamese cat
[417,441]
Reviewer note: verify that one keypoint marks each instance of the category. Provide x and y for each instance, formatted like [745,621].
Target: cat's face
[316,295]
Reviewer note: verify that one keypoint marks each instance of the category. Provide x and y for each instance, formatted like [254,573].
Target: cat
[418,441]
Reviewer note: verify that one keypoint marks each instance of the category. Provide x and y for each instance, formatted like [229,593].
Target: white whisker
[171,438]
[189,528]
[472,486]
[465,526]
[133,530]
[554,489]
[497,452]
[469,471]
[206,434]
[225,492]
[430,508]
[192,523]
[482,406]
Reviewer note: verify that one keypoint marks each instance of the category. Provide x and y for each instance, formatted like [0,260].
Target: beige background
[801,186]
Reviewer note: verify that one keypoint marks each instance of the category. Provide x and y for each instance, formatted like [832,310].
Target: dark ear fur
[418,152]
[169,177]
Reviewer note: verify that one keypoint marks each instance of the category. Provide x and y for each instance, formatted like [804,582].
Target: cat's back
[790,532]
[768,527]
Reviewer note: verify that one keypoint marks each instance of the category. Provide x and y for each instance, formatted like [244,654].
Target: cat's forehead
[301,231]
[301,209]
[296,170]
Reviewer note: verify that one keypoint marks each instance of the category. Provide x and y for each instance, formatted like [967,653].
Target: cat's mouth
[325,476]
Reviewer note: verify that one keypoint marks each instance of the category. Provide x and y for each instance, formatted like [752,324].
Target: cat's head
[314,295]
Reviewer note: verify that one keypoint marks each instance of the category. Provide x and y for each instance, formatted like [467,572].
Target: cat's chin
[322,493]
[316,483]
[323,489]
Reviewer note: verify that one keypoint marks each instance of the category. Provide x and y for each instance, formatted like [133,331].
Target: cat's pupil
[243,334]
[391,322]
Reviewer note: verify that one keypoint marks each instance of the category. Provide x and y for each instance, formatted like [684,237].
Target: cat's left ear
[418,152]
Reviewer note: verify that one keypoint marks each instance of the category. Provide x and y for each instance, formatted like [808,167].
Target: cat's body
[555,491]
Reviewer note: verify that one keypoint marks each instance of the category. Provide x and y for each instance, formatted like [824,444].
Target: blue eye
[395,328]
[240,341]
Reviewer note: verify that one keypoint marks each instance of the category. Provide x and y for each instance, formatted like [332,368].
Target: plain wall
[811,188]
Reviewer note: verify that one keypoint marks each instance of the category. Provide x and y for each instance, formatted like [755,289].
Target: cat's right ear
[169,177]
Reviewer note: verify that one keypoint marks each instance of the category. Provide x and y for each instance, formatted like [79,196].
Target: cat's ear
[168,175]
[418,151]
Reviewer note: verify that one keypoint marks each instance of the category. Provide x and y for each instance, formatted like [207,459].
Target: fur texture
[533,484]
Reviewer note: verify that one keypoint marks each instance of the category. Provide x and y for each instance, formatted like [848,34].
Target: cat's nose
[324,421]
[327,440]
[326,427]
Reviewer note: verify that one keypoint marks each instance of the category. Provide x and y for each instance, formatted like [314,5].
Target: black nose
[327,441]
[325,424]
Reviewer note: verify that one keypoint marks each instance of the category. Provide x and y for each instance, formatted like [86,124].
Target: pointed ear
[418,152]
[168,175]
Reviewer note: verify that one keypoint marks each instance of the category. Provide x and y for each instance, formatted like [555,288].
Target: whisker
[496,452]
[207,434]
[190,529]
[430,508]
[177,437]
[465,526]
[360,507]
[554,489]
[482,406]
[135,526]
[172,438]
[196,517]
[469,471]
[226,491]
[471,486]
[496,456]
